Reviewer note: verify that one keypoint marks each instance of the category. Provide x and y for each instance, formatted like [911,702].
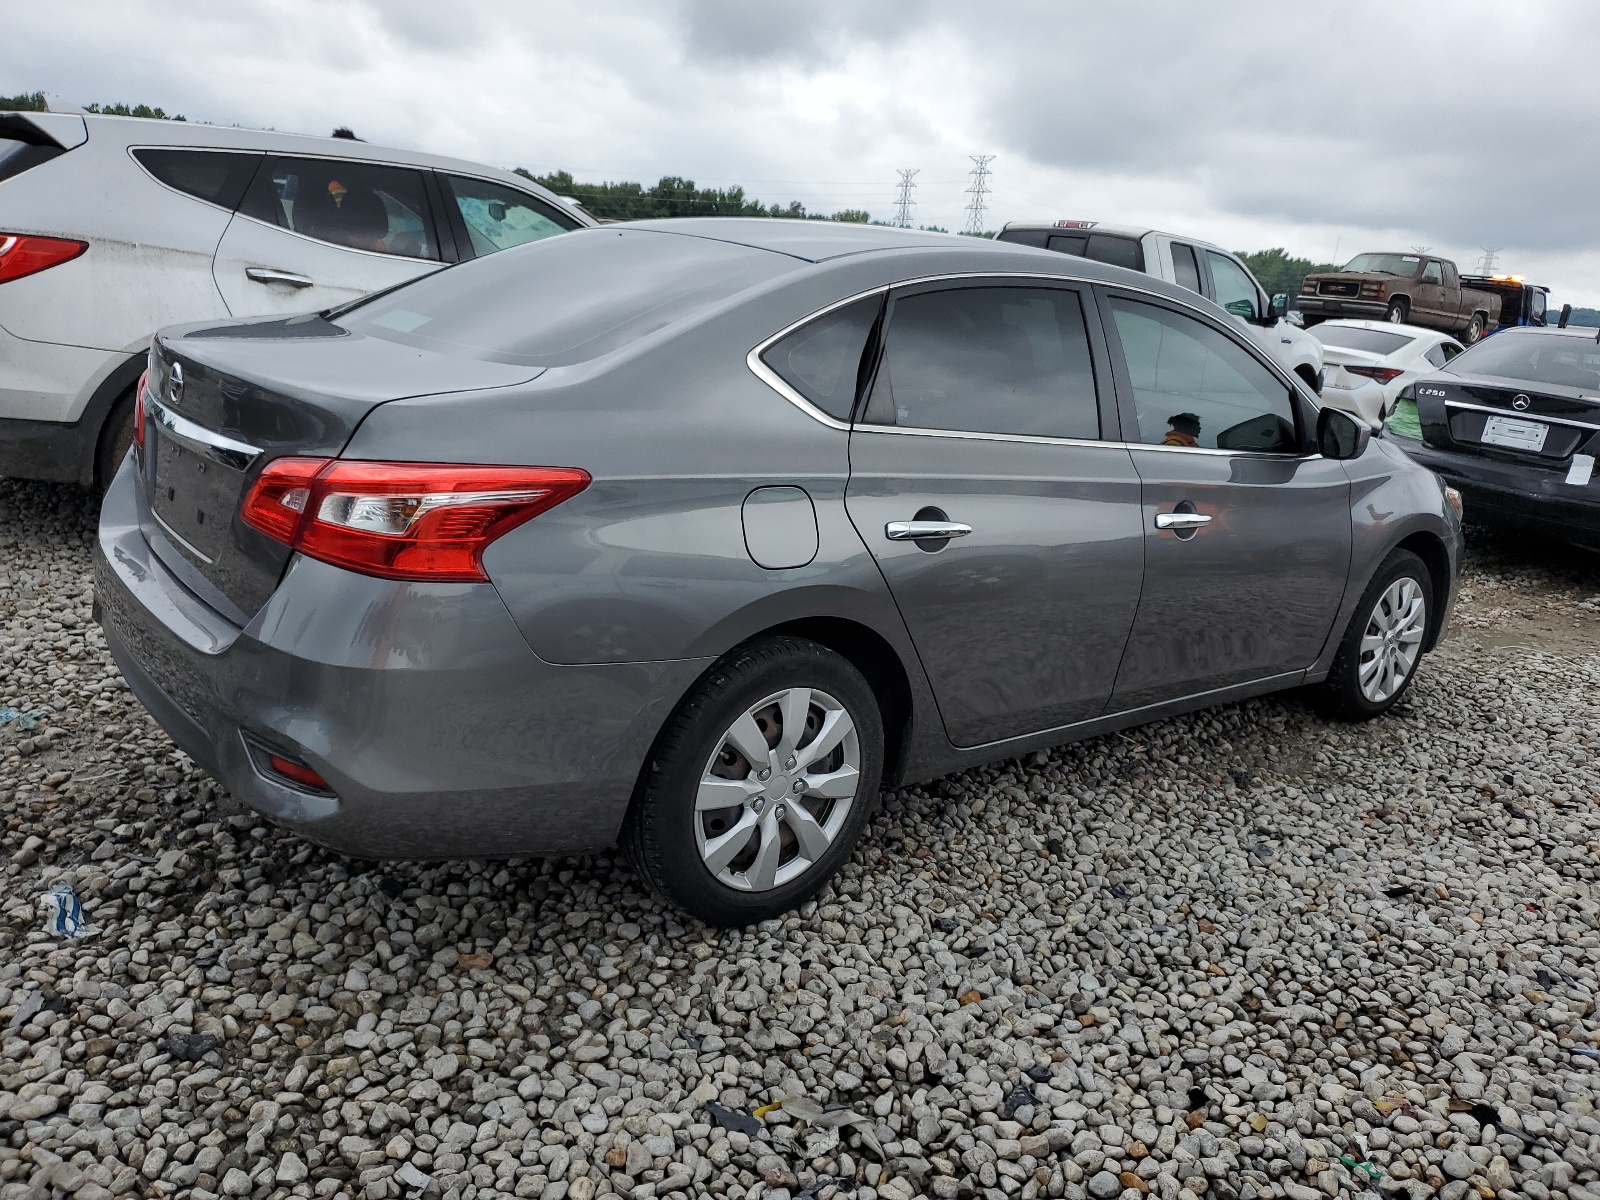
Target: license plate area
[1527,436]
[192,495]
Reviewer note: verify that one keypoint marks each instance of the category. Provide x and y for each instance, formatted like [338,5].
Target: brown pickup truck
[1408,289]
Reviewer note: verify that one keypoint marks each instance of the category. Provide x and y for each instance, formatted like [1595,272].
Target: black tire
[660,834]
[1474,331]
[116,435]
[1399,310]
[1341,694]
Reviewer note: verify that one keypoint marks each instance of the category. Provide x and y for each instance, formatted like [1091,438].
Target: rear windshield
[1374,341]
[17,156]
[1557,359]
[1404,265]
[565,300]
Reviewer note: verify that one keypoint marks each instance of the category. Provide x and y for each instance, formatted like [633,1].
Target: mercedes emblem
[1520,403]
[175,385]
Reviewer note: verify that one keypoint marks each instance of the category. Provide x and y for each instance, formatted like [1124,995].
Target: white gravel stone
[1324,936]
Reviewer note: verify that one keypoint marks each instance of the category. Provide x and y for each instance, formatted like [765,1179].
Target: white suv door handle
[273,275]
[1180,520]
[916,531]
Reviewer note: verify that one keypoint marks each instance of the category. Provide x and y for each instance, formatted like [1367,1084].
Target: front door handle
[273,275]
[919,531]
[1181,520]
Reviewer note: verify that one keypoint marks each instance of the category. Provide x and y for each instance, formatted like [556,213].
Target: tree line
[675,196]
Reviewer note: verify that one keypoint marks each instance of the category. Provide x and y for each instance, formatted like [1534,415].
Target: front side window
[1194,387]
[1431,273]
[498,217]
[215,176]
[1188,270]
[1236,291]
[1005,360]
[360,205]
[822,359]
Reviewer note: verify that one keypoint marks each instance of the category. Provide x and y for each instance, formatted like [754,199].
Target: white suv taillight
[24,254]
[422,521]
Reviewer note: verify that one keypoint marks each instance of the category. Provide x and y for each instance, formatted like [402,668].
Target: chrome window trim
[214,446]
[1521,416]
[771,378]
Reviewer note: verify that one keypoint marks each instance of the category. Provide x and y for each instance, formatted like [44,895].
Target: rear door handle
[917,531]
[1180,520]
[273,275]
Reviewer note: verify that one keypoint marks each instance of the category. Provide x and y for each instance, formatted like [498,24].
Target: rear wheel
[1381,649]
[1474,331]
[1399,310]
[760,785]
[116,436]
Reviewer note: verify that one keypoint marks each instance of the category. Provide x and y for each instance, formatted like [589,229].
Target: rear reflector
[421,521]
[23,254]
[138,409]
[1381,374]
[298,772]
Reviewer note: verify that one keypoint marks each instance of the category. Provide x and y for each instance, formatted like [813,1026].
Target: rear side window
[1187,268]
[1006,360]
[565,300]
[17,156]
[215,176]
[360,205]
[822,359]
[1436,355]
[498,217]
[1117,251]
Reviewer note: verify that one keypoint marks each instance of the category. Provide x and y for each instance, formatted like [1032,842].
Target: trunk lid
[224,401]
[1455,413]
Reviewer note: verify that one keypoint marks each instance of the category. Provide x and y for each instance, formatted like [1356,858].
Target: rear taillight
[138,409]
[422,521]
[23,254]
[1381,374]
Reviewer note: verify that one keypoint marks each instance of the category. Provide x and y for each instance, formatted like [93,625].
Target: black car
[1514,423]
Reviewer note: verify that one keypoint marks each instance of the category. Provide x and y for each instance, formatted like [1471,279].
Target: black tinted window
[498,217]
[360,205]
[217,176]
[565,300]
[1183,262]
[1009,360]
[1118,251]
[1024,237]
[1069,243]
[1193,386]
[821,360]
[17,156]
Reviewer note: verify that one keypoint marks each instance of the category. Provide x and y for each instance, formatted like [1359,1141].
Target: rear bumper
[439,731]
[1533,496]
[52,409]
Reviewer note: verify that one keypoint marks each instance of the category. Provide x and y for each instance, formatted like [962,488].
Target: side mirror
[1566,315]
[1341,436]
[1280,304]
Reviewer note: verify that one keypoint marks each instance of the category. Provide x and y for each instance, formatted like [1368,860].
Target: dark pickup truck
[1408,289]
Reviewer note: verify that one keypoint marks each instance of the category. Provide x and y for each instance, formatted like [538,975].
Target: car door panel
[1245,585]
[1020,623]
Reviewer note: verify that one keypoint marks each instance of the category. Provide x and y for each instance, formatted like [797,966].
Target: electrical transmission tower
[903,202]
[1491,256]
[978,190]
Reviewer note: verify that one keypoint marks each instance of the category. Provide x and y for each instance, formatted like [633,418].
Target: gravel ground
[1246,953]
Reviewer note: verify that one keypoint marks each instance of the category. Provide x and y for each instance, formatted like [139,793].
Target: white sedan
[1367,363]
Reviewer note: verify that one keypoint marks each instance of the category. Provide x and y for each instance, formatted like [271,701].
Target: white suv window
[361,205]
[1236,291]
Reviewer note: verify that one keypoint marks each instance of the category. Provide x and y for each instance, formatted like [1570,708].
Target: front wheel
[760,785]
[1474,333]
[1399,310]
[1382,646]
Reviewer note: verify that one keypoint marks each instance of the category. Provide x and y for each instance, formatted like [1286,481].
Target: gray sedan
[696,534]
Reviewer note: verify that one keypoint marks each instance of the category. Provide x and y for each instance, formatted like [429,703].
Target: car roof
[812,241]
[146,131]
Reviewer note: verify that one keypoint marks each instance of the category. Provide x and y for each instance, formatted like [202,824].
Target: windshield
[1373,341]
[1556,359]
[565,300]
[1404,265]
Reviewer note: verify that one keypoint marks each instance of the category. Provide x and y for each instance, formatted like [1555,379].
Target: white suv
[111,227]
[1188,262]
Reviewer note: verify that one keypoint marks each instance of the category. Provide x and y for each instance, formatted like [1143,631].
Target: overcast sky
[1327,129]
